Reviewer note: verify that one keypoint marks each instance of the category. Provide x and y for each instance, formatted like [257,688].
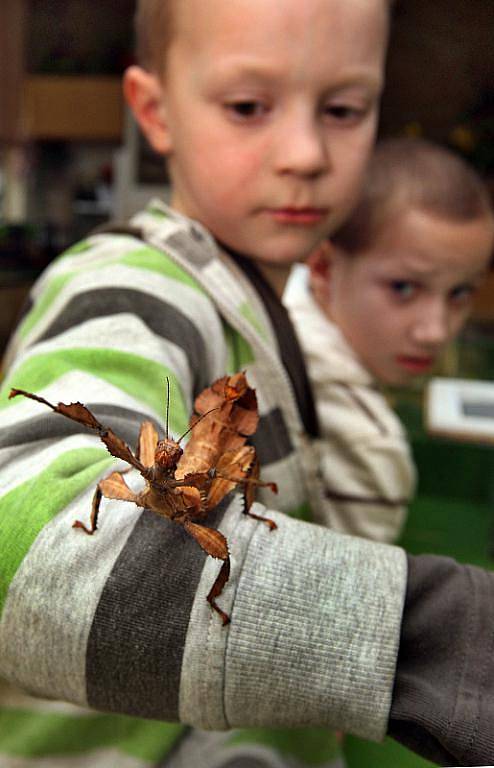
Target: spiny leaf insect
[185,484]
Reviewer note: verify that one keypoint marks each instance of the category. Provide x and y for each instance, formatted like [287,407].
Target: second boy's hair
[407,173]
[154,31]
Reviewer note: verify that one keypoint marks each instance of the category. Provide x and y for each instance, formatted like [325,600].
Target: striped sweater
[108,648]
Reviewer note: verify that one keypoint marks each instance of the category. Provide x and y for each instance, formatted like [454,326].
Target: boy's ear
[319,263]
[144,94]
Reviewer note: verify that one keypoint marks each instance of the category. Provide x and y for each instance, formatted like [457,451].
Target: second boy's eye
[403,289]
[461,294]
[344,113]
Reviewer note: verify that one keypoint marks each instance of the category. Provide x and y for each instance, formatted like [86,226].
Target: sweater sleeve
[118,621]
[443,701]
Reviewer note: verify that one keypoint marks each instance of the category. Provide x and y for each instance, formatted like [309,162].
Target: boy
[396,285]
[267,130]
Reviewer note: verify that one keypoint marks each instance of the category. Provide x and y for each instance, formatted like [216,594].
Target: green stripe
[239,352]
[156,261]
[312,746]
[81,247]
[28,734]
[44,302]
[138,376]
[157,213]
[303,512]
[50,491]
[247,312]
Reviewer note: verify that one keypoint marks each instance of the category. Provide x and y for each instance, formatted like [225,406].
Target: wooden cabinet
[12,24]
[483,310]
[41,96]
[72,107]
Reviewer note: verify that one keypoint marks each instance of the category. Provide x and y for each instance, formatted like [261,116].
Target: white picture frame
[460,409]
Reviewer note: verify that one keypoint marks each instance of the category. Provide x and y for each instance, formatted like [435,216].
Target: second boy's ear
[144,95]
[319,263]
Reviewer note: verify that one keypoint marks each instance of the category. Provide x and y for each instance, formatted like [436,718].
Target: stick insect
[185,484]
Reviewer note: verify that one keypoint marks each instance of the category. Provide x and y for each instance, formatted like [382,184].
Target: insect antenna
[217,408]
[167,403]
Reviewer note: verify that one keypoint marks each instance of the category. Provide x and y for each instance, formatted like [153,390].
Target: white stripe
[103,250]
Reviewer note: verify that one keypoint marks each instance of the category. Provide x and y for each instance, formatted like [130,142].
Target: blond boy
[266,112]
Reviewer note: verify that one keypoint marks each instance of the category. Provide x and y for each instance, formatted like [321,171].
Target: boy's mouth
[303,216]
[415,365]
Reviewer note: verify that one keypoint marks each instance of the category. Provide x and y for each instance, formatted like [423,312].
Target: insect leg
[246,474]
[217,589]
[213,543]
[93,520]
[112,487]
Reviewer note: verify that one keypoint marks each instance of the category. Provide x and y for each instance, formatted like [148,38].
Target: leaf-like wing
[115,487]
[226,412]
[148,440]
[211,541]
[232,468]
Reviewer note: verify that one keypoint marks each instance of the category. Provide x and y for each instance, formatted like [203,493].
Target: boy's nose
[431,326]
[301,148]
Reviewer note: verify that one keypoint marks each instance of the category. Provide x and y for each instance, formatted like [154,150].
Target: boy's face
[269,111]
[401,301]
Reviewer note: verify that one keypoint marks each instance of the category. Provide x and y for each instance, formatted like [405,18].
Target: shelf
[72,108]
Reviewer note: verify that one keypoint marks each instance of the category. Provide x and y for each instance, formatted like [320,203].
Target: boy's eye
[246,109]
[461,294]
[403,289]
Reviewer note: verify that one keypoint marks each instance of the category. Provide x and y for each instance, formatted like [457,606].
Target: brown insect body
[184,485]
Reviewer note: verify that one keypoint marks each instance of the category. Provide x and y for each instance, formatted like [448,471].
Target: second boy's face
[270,110]
[399,303]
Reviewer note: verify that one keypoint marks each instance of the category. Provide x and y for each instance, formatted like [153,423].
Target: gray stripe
[124,422]
[135,647]
[193,249]
[161,318]
[359,402]
[354,498]
[272,440]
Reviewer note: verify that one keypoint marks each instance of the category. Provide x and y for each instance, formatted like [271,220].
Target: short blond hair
[153,23]
[406,173]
